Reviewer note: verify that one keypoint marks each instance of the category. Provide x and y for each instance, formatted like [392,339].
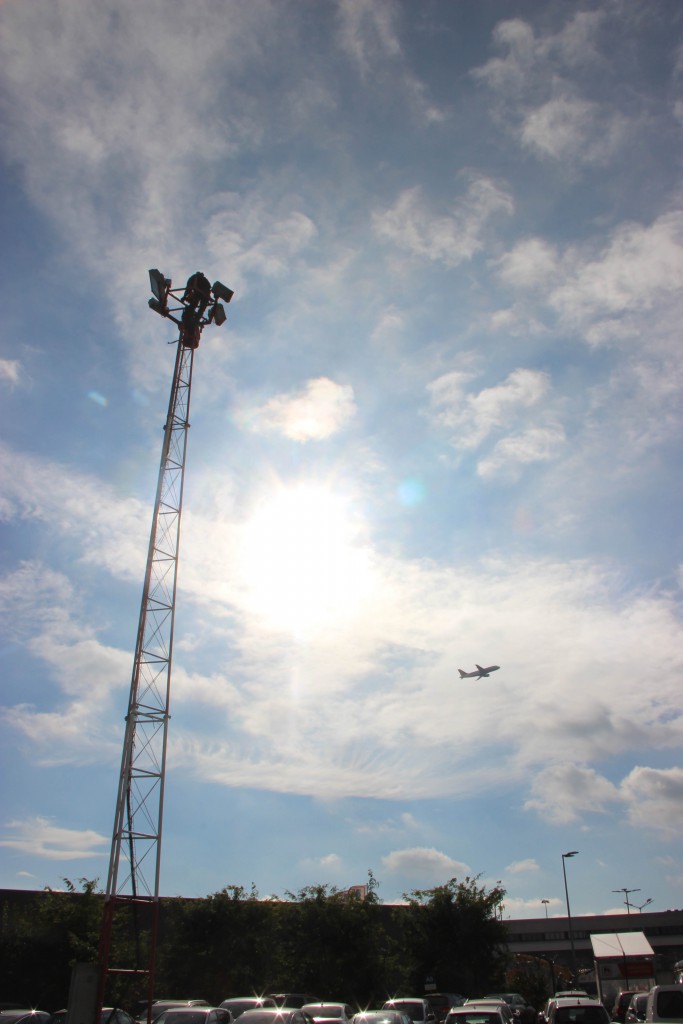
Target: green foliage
[332,943]
[532,976]
[217,946]
[454,935]
[319,940]
[55,930]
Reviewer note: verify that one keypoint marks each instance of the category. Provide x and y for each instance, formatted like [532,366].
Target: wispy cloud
[39,837]
[452,237]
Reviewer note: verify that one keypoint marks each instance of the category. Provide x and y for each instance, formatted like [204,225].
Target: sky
[441,427]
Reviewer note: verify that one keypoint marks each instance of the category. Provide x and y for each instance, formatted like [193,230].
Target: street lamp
[546,906]
[645,904]
[627,893]
[572,853]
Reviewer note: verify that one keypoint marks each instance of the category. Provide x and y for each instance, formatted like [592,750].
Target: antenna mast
[133,877]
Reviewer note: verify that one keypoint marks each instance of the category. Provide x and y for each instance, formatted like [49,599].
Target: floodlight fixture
[627,893]
[159,285]
[221,291]
[218,314]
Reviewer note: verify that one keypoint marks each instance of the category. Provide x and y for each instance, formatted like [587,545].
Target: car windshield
[414,1010]
[670,1005]
[323,1010]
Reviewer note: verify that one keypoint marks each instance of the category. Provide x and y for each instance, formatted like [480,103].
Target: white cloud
[424,863]
[570,128]
[10,370]
[654,798]
[640,266]
[532,262]
[516,907]
[330,861]
[470,418]
[538,444]
[39,837]
[564,792]
[367,31]
[317,411]
[451,238]
[519,866]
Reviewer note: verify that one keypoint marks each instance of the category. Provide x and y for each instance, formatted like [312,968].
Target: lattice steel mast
[135,859]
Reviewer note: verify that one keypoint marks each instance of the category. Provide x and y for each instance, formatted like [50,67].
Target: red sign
[636,969]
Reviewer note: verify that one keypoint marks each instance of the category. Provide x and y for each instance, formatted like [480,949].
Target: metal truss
[135,858]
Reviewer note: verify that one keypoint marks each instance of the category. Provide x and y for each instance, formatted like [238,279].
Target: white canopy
[620,944]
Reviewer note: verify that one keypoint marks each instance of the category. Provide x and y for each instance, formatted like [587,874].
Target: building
[549,939]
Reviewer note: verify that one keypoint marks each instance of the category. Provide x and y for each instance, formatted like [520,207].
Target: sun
[304,563]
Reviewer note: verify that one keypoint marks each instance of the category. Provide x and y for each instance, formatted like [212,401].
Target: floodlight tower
[133,877]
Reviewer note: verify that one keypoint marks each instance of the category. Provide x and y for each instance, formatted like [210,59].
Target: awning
[620,944]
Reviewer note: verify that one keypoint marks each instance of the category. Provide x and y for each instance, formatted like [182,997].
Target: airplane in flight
[481,673]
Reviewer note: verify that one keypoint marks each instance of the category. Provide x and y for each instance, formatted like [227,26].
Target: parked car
[159,1005]
[380,1017]
[110,1015]
[521,1010]
[238,1004]
[418,1009]
[194,1015]
[578,1011]
[664,1003]
[329,1013]
[484,1004]
[293,999]
[479,1013]
[636,1008]
[24,1015]
[620,1005]
[544,1014]
[442,1002]
[278,1015]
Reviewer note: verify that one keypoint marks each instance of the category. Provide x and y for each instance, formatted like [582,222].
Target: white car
[480,1011]
[419,1010]
[329,1013]
[578,1010]
[665,1004]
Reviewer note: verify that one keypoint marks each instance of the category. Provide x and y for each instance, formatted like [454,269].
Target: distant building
[548,939]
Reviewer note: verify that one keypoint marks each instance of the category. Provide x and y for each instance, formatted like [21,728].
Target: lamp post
[546,907]
[572,853]
[645,904]
[627,893]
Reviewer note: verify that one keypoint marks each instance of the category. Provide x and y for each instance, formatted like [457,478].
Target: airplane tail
[463,675]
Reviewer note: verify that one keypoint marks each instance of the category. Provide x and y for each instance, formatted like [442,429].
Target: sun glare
[304,565]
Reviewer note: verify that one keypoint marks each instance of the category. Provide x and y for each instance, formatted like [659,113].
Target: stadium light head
[158,307]
[218,315]
[221,291]
[159,285]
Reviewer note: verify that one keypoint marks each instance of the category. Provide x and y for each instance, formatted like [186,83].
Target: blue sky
[441,426]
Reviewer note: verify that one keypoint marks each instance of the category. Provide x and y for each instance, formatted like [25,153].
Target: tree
[453,935]
[217,946]
[334,943]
